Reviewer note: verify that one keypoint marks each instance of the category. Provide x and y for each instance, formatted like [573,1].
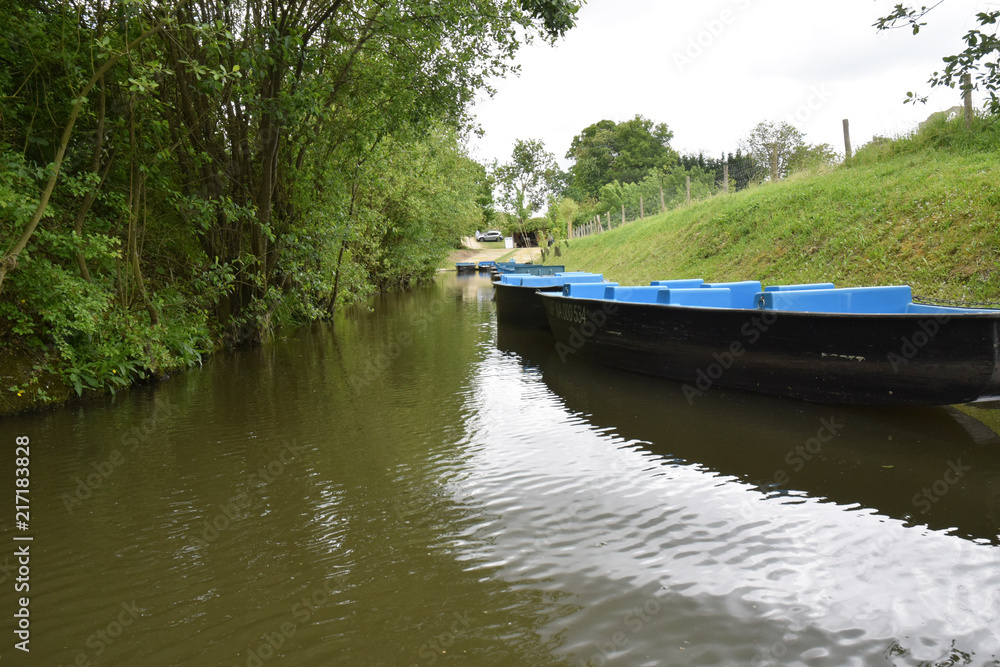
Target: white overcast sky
[711,70]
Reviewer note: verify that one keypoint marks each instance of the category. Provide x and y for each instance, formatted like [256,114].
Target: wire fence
[697,178]
[624,203]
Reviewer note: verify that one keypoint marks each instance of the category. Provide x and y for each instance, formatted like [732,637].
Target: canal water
[418,486]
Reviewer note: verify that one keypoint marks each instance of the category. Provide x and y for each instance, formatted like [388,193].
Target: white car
[492,235]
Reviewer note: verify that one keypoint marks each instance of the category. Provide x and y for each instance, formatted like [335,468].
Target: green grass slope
[921,210]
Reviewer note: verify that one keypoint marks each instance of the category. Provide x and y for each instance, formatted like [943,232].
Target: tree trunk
[9,261]
[136,207]
[88,199]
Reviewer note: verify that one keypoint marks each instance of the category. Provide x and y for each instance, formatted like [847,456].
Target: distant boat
[486,265]
[531,269]
[862,345]
[465,267]
[516,295]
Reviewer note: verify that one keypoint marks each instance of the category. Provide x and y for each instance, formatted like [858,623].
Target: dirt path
[486,254]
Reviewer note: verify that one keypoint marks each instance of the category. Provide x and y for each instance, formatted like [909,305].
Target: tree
[742,168]
[673,181]
[163,163]
[527,178]
[809,156]
[979,58]
[557,16]
[560,213]
[772,146]
[607,151]
[238,97]
[778,149]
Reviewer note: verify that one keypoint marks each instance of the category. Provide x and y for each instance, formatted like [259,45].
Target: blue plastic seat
[795,288]
[586,290]
[744,292]
[679,283]
[860,300]
[630,294]
[701,297]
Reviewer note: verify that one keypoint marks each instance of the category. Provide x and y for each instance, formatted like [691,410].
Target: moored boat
[864,345]
[530,269]
[465,267]
[516,295]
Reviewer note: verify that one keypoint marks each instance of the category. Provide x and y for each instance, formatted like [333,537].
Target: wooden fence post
[663,206]
[642,214]
[609,219]
[774,164]
[623,214]
[569,229]
[687,183]
[725,177]
[967,98]
[847,139]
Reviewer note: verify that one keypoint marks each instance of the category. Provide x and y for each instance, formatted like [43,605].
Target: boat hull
[830,358]
[521,306]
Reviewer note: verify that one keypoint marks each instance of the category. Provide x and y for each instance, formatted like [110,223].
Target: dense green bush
[174,178]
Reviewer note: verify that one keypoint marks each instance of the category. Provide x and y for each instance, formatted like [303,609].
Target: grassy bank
[922,210]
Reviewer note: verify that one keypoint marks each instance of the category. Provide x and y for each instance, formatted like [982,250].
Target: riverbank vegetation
[175,176]
[923,209]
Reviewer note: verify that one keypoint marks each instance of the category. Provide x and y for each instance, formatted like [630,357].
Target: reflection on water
[418,487]
[887,459]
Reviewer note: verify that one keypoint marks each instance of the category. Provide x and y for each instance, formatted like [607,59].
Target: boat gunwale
[972,312]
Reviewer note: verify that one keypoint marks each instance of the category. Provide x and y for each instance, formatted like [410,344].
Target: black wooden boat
[516,295]
[864,345]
